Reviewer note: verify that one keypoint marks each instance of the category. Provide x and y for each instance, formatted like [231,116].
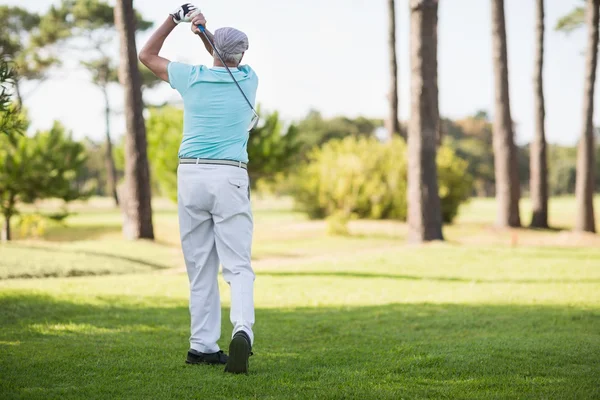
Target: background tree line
[275,147]
[495,164]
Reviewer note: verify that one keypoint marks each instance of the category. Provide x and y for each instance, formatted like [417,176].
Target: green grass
[360,317]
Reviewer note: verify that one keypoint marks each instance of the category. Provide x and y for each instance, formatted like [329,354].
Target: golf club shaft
[201,28]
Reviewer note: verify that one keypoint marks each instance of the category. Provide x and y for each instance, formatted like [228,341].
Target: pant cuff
[204,349]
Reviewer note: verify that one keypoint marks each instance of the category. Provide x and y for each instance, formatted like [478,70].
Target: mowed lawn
[488,314]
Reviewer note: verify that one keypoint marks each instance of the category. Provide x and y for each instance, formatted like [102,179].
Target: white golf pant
[215,222]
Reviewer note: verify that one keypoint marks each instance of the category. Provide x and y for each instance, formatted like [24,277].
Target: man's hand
[198,19]
[184,13]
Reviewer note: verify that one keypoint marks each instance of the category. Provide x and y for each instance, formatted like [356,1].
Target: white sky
[331,55]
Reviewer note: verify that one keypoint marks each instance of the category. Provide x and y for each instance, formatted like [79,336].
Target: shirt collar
[223,69]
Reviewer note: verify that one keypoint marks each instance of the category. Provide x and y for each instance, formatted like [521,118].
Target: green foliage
[271,151]
[361,177]
[316,130]
[572,21]
[103,71]
[94,171]
[32,226]
[91,22]
[22,38]
[562,169]
[47,165]
[11,120]
[164,131]
[471,139]
[454,181]
[85,16]
[357,176]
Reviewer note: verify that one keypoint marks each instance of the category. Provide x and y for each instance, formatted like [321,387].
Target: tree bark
[424,209]
[584,190]
[6,234]
[393,124]
[538,161]
[111,170]
[136,205]
[505,154]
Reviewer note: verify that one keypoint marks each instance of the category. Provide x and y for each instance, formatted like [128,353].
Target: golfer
[215,219]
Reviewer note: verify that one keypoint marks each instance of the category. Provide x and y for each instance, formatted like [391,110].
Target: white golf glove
[185,13]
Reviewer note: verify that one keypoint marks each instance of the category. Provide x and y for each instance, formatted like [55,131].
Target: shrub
[454,182]
[361,177]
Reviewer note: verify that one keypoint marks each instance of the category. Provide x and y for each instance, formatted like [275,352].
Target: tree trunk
[505,154]
[393,124]
[584,190]
[424,210]
[136,205]
[538,162]
[111,170]
[6,234]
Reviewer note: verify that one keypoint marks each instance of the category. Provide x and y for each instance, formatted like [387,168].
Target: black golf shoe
[195,357]
[240,350]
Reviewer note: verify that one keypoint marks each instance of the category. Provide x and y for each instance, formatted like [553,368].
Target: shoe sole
[239,352]
[202,363]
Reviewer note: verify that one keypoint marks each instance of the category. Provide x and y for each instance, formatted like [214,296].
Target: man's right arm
[200,20]
[149,54]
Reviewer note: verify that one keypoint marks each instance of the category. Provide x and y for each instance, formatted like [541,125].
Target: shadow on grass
[61,250]
[548,229]
[52,349]
[362,275]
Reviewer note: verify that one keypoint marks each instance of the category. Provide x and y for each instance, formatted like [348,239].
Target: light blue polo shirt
[216,116]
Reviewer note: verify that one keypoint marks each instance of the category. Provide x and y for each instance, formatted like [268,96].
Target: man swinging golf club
[215,218]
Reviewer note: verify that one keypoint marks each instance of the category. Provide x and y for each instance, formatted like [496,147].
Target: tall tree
[538,162]
[424,210]
[102,75]
[136,196]
[393,125]
[584,189]
[91,27]
[505,153]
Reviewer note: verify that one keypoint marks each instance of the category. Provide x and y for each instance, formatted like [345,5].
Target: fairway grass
[362,317]
[388,331]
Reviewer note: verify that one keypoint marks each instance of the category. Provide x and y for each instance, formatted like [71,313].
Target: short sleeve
[179,76]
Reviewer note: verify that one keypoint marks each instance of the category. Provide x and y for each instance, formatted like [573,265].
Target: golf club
[255,117]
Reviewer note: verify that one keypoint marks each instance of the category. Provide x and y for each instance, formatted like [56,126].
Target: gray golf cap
[230,41]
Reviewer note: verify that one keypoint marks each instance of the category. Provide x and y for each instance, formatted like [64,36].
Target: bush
[454,182]
[361,177]
[46,165]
